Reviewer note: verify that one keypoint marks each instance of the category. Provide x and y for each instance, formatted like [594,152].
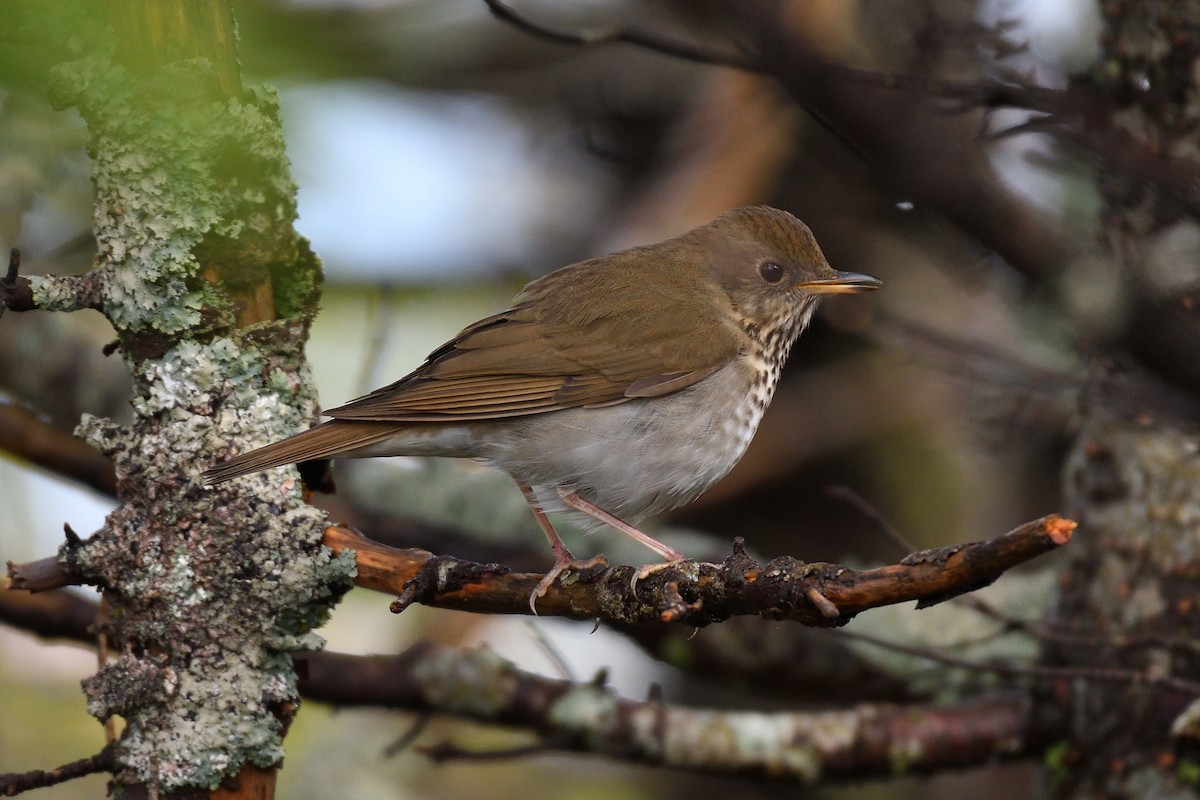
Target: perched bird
[617,387]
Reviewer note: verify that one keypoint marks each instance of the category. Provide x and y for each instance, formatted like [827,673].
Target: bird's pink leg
[669,554]
[579,504]
[563,560]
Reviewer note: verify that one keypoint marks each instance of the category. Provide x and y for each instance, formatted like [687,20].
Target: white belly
[640,457]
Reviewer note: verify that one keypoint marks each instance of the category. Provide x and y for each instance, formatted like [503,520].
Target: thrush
[615,388]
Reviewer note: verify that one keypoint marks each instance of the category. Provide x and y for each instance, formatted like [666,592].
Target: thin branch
[409,736]
[448,751]
[52,615]
[15,783]
[15,291]
[1103,674]
[1079,635]
[52,572]
[41,575]
[649,40]
[697,593]
[1039,630]
[26,436]
[872,515]
[14,266]
[542,640]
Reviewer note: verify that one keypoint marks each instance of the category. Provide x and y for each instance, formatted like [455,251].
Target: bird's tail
[323,441]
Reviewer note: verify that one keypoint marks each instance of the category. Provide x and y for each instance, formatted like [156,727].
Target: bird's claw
[560,566]
[646,570]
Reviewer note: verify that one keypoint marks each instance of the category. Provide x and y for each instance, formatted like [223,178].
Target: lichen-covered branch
[697,593]
[860,741]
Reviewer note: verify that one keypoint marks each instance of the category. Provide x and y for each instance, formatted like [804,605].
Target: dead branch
[26,436]
[1126,677]
[53,572]
[699,593]
[15,291]
[15,783]
[650,40]
[52,615]
[41,575]
[587,717]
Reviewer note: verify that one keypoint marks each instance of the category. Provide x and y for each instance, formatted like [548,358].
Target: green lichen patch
[189,186]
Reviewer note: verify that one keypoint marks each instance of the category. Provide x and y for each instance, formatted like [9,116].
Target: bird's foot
[563,562]
[646,570]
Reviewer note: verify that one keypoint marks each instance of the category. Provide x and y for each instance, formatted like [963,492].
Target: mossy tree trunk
[211,292]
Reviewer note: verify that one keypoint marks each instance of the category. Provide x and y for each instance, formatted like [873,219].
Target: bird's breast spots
[739,427]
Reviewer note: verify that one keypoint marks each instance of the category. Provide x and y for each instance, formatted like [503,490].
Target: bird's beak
[842,283]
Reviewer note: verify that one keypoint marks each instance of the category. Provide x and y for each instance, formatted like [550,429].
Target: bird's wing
[559,348]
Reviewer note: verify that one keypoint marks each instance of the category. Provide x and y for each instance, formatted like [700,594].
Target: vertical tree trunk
[211,292]
[1134,482]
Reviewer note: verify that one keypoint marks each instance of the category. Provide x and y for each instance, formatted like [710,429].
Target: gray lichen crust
[1136,487]
[1132,485]
[179,172]
[209,590]
[212,589]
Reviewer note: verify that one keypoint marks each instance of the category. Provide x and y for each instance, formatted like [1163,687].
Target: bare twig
[14,265]
[872,514]
[551,652]
[697,593]
[13,784]
[41,575]
[25,435]
[448,751]
[1106,675]
[15,291]
[1080,635]
[409,736]
[650,40]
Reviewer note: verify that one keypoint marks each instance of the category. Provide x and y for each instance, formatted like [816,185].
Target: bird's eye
[770,272]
